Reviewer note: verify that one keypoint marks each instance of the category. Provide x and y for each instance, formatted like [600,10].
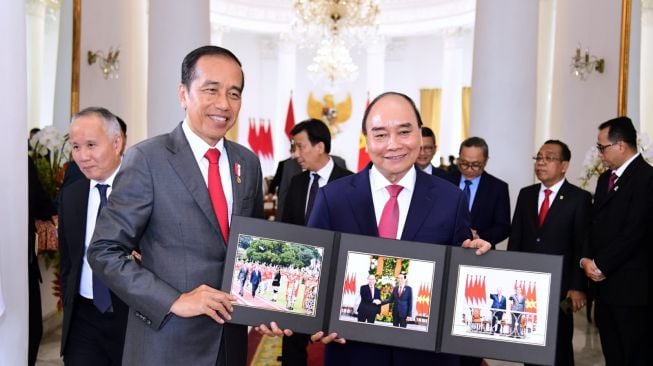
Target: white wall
[578,107]
[174,29]
[408,68]
[116,24]
[13,195]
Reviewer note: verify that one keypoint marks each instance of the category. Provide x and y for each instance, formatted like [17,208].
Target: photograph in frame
[278,272]
[502,305]
[406,278]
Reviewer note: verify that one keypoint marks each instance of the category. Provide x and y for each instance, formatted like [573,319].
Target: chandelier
[583,65]
[336,26]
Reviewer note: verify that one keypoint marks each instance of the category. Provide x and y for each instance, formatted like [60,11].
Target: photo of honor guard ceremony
[137,131]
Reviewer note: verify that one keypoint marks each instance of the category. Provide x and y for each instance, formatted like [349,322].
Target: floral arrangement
[50,151]
[593,166]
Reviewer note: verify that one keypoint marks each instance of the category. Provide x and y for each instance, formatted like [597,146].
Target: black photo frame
[472,278]
[254,311]
[383,334]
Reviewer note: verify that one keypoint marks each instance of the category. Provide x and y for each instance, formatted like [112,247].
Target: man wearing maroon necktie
[552,217]
[617,256]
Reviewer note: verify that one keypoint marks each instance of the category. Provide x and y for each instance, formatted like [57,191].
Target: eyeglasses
[602,148]
[548,159]
[473,166]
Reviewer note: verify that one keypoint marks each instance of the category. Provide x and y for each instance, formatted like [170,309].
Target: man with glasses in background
[426,153]
[487,196]
[552,217]
[617,255]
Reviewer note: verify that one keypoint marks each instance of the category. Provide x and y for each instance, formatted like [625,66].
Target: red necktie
[612,181]
[390,216]
[216,192]
[544,209]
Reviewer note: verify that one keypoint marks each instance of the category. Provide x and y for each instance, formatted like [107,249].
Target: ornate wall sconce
[109,64]
[583,64]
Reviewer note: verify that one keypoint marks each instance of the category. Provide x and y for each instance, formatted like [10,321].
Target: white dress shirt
[380,195]
[199,148]
[324,174]
[86,279]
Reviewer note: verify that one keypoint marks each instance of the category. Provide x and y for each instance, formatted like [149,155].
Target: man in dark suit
[93,330]
[498,308]
[370,304]
[418,206]
[72,170]
[402,302]
[617,256]
[286,170]
[426,153]
[40,208]
[489,202]
[255,279]
[173,199]
[312,143]
[552,217]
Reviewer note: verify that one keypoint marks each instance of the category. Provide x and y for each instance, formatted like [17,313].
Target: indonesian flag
[290,118]
[363,158]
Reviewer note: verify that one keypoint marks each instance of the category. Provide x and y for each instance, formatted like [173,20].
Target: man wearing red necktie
[424,208]
[552,217]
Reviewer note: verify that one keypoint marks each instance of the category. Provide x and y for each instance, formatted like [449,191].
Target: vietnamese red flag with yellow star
[363,157]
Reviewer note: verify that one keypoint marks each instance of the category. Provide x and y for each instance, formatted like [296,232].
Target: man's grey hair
[110,121]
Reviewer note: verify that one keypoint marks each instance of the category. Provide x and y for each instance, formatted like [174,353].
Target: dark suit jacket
[402,305]
[439,172]
[437,214]
[286,170]
[490,209]
[255,278]
[563,233]
[295,205]
[160,205]
[498,303]
[73,206]
[620,235]
[366,306]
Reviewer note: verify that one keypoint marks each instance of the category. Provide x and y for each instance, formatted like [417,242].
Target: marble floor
[587,347]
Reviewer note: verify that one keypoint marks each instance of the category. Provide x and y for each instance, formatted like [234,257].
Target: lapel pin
[616,188]
[562,198]
[237,172]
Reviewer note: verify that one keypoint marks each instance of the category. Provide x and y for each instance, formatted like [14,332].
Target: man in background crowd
[427,152]
[617,256]
[559,228]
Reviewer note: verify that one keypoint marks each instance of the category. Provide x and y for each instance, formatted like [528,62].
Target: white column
[175,28]
[13,195]
[453,59]
[133,69]
[646,71]
[286,82]
[375,66]
[504,87]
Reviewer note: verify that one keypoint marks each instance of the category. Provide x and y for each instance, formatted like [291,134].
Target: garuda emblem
[330,112]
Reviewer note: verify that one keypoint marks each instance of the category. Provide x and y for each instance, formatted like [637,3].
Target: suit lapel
[236,169]
[421,202]
[184,164]
[481,192]
[360,201]
[621,182]
[559,203]
[79,196]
